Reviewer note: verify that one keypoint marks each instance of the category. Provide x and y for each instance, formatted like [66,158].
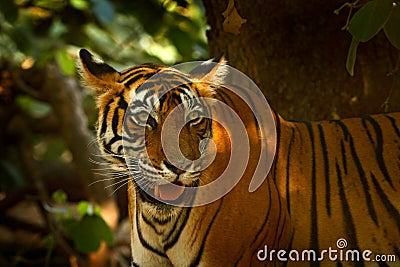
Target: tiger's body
[341,179]
[329,180]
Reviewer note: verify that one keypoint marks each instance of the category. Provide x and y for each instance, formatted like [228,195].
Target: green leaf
[37,109]
[80,4]
[370,19]
[351,56]
[181,41]
[83,207]
[50,4]
[59,196]
[50,148]
[392,27]
[69,224]
[103,10]
[87,208]
[97,210]
[88,233]
[65,62]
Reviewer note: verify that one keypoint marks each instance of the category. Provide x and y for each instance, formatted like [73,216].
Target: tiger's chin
[161,209]
[161,213]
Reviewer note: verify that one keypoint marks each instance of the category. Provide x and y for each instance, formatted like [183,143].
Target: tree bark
[296,52]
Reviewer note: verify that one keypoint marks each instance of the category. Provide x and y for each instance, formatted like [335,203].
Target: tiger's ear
[96,74]
[213,71]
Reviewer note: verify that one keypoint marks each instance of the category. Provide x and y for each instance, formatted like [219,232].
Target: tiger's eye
[142,117]
[193,115]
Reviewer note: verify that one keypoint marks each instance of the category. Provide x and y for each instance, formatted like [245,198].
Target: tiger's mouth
[173,193]
[169,192]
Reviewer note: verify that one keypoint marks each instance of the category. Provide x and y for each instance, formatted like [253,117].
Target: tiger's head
[155,122]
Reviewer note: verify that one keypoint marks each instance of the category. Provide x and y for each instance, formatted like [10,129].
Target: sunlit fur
[329,180]
[341,179]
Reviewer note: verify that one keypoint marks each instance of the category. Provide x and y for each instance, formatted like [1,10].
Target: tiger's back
[341,180]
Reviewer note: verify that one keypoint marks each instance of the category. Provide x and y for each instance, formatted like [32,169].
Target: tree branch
[65,97]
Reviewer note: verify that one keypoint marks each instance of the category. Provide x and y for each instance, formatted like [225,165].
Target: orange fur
[330,180]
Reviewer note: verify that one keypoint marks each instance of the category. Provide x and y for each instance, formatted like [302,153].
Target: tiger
[330,181]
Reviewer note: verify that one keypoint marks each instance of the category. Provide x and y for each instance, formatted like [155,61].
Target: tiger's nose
[182,167]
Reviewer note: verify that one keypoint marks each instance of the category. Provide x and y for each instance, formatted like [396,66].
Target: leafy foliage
[392,27]
[87,229]
[35,35]
[368,21]
[126,32]
[88,232]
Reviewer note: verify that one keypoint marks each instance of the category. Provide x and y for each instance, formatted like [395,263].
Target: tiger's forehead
[157,96]
[166,85]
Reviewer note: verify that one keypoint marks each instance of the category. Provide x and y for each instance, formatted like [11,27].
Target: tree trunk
[296,52]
